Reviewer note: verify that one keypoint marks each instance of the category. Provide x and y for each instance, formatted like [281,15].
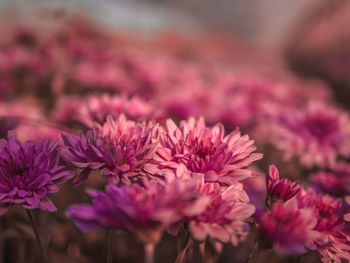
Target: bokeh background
[303,41]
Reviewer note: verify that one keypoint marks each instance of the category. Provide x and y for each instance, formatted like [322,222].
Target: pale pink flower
[223,221]
[206,150]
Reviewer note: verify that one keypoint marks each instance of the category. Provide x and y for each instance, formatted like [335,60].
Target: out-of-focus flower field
[124,148]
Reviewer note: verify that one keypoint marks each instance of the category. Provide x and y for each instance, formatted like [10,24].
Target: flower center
[321,127]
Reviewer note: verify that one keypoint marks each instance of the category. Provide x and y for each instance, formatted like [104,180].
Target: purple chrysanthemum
[289,228]
[317,135]
[223,219]
[201,149]
[28,172]
[145,210]
[120,147]
[278,189]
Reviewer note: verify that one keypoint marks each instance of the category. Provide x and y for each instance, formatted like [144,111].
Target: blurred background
[266,23]
[174,54]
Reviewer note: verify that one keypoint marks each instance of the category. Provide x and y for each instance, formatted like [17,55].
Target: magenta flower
[335,182]
[224,218]
[201,149]
[278,189]
[333,242]
[120,147]
[147,211]
[289,228]
[29,172]
[316,135]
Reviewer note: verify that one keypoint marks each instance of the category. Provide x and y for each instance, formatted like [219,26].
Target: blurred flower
[28,119]
[347,215]
[316,135]
[224,219]
[145,210]
[277,189]
[7,124]
[255,187]
[97,108]
[66,108]
[335,182]
[222,159]
[120,147]
[333,242]
[28,172]
[289,228]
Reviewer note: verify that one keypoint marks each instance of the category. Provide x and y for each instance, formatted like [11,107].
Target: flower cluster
[305,221]
[125,150]
[174,132]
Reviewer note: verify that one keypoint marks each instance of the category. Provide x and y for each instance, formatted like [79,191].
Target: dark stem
[36,232]
[149,252]
[110,246]
[181,256]
[255,245]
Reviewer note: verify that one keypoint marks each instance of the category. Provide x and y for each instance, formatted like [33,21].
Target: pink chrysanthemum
[223,220]
[278,189]
[333,242]
[201,149]
[146,211]
[317,135]
[29,172]
[120,147]
[289,228]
